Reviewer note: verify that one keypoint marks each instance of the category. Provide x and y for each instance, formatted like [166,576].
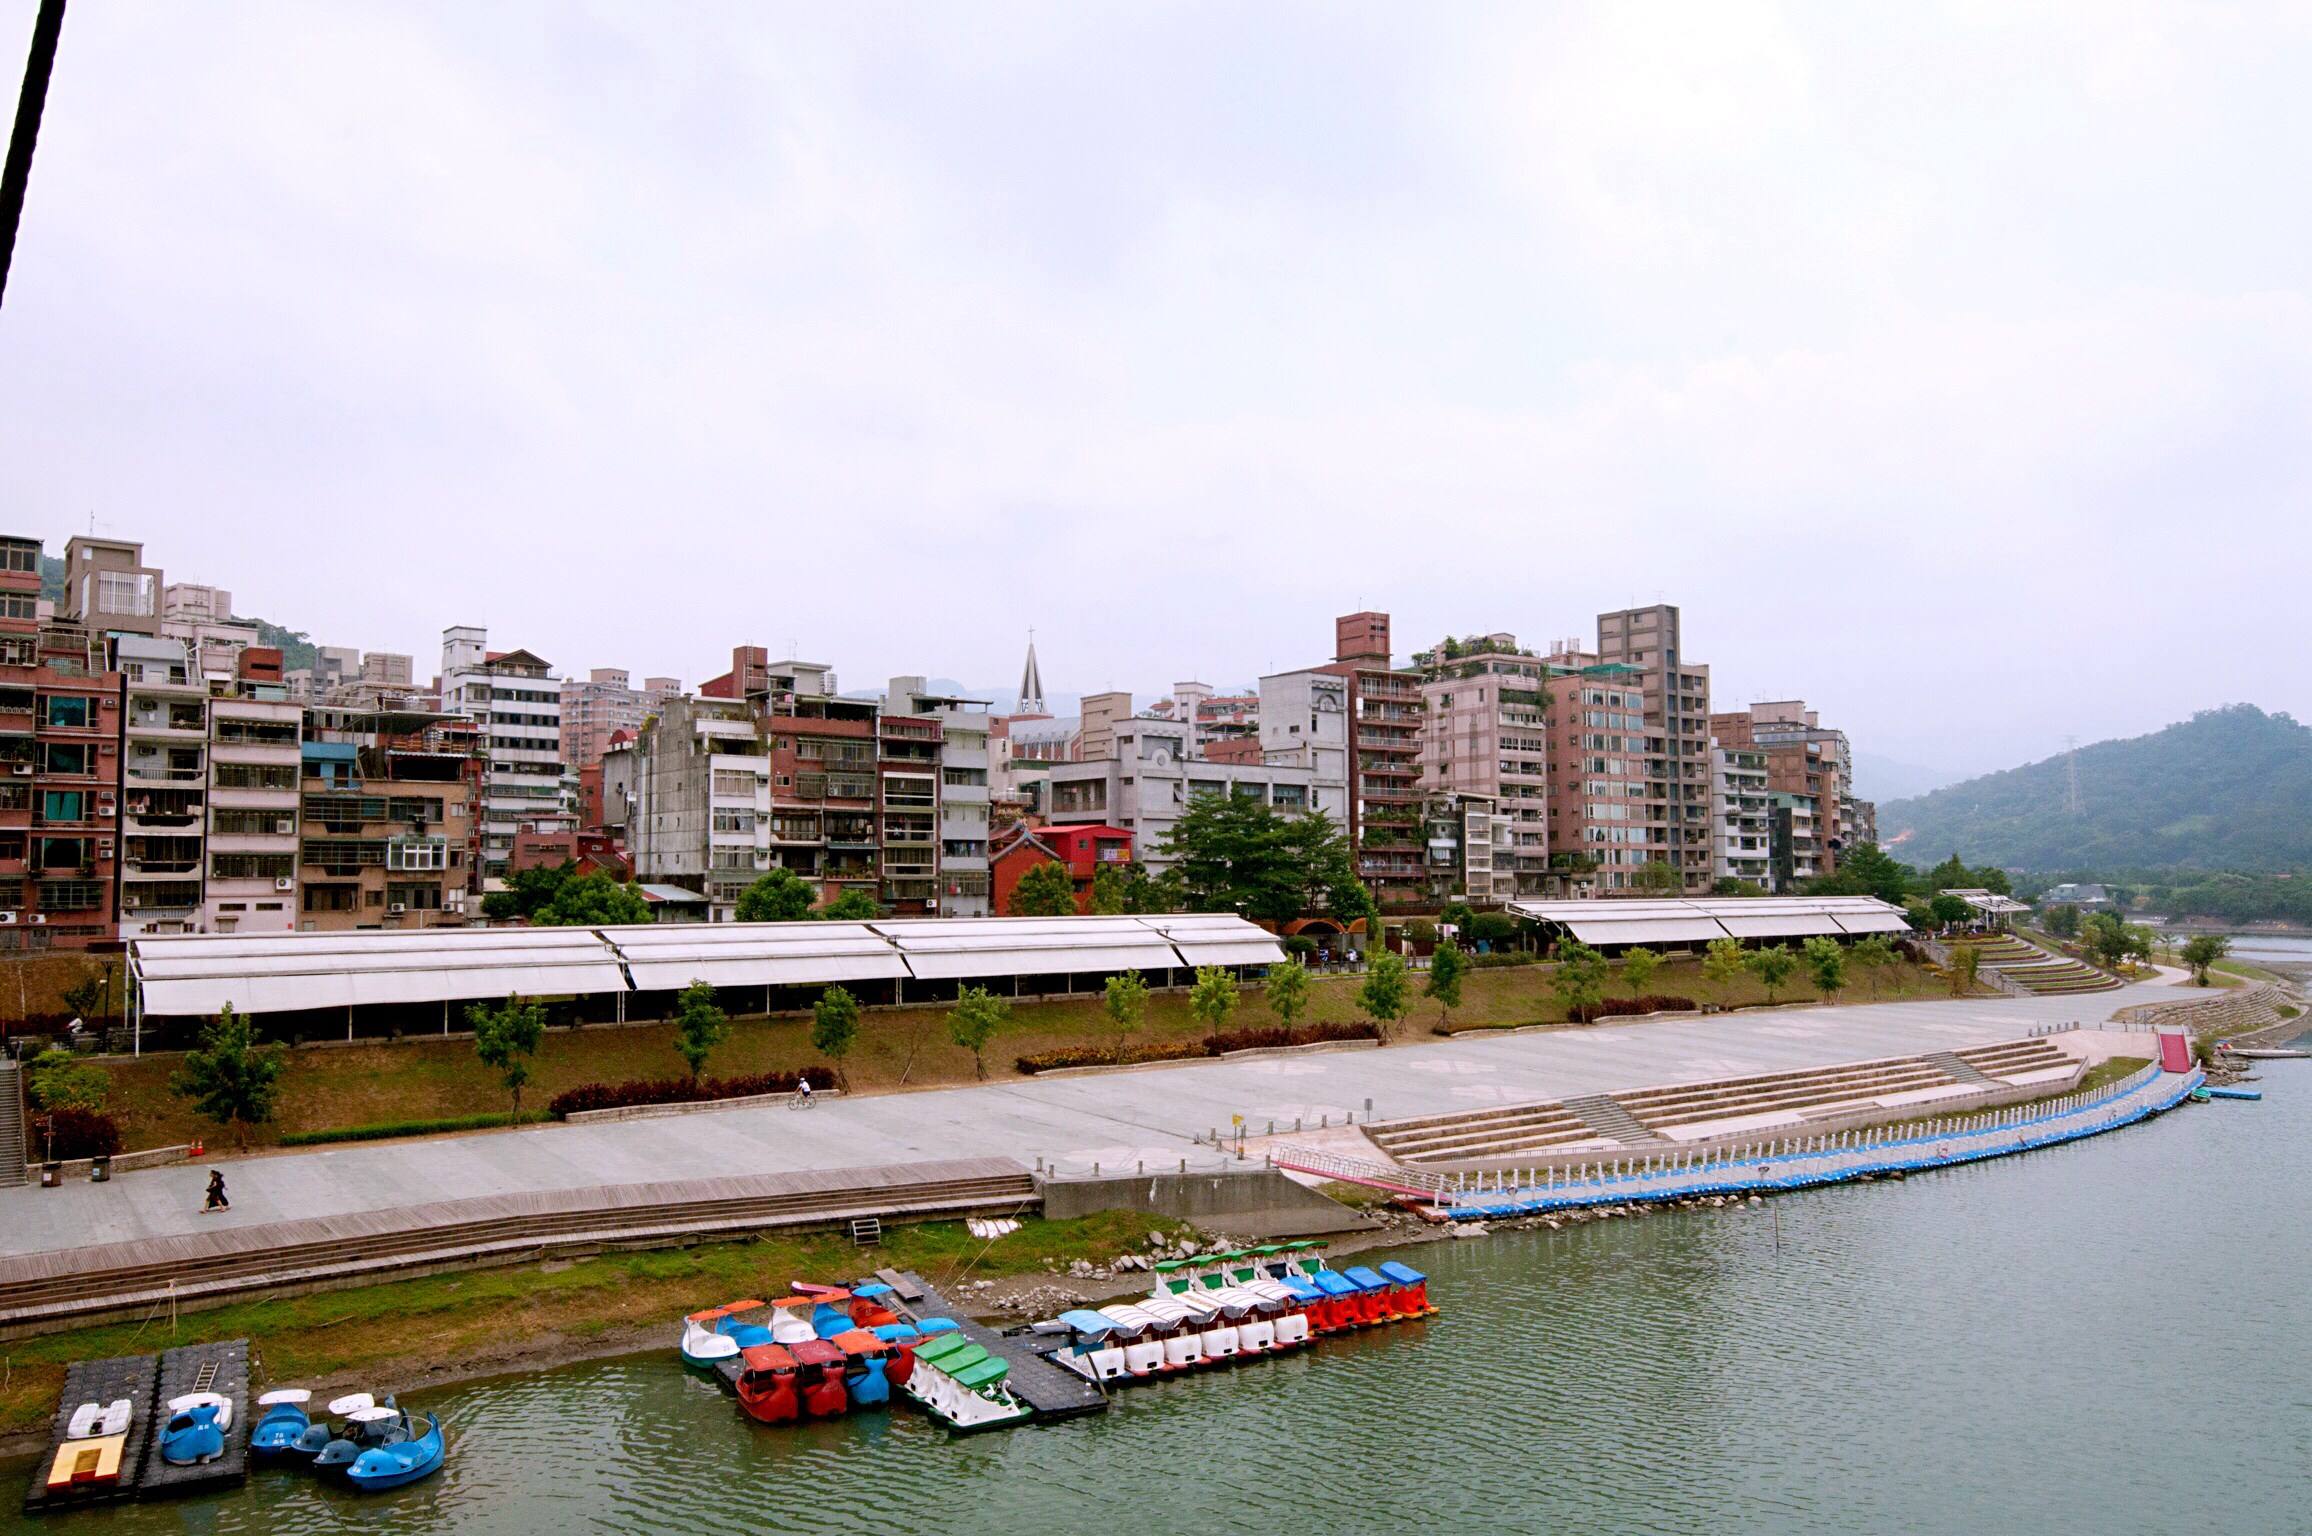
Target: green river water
[2104,1337]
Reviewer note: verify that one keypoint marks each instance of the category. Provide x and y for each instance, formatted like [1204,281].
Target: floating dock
[99,1381]
[1053,1391]
[221,1368]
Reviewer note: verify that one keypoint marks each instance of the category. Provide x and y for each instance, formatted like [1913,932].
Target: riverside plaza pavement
[1119,1120]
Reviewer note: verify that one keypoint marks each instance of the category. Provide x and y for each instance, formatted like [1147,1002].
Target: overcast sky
[1949,365]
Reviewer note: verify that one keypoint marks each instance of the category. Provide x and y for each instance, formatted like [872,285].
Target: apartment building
[1677,727]
[516,697]
[1385,714]
[1304,723]
[965,805]
[601,706]
[1021,751]
[386,801]
[1804,758]
[1741,837]
[1147,782]
[1485,736]
[907,772]
[164,787]
[702,815]
[1082,849]
[1794,848]
[108,589]
[1470,848]
[255,735]
[1601,832]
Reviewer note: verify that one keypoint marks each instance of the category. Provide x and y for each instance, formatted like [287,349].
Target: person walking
[217,1200]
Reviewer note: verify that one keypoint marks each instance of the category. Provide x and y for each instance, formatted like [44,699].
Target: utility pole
[2071,803]
[18,170]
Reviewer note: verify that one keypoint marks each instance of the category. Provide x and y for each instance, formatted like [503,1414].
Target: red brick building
[1083,849]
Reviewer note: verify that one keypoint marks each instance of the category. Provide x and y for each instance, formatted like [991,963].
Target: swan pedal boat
[196,1428]
[280,1430]
[403,1458]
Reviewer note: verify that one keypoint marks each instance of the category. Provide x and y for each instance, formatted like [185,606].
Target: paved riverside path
[1118,1120]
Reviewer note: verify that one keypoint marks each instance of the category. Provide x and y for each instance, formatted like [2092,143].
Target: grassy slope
[426,1079]
[401,1333]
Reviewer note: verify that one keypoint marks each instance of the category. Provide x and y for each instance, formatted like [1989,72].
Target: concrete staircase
[1609,1117]
[11,1124]
[1484,1133]
[1961,1070]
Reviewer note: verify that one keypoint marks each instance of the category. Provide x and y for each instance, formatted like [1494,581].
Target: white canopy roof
[1691,920]
[197,974]
[279,972]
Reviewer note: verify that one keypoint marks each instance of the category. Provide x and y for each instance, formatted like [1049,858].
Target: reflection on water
[2095,1338]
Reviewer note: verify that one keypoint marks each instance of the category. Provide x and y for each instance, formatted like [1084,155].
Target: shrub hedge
[674,1090]
[65,1134]
[1615,1007]
[1189,1050]
[382,1130]
[1505,957]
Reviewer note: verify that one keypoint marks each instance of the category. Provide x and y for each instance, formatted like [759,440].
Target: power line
[18,170]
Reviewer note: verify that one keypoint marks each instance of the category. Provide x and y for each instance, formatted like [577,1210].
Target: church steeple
[1031,699]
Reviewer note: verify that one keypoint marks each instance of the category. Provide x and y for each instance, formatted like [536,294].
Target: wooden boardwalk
[43,1291]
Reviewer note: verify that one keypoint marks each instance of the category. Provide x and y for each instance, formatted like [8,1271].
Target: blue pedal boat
[280,1430]
[403,1461]
[195,1431]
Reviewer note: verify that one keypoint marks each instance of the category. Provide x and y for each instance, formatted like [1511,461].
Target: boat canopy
[351,1403]
[767,1357]
[1403,1274]
[936,1324]
[1365,1279]
[1300,1288]
[857,1341]
[943,1345]
[285,1395]
[814,1352]
[982,1372]
[1333,1283]
[956,1360]
[373,1415]
[871,1288]
[894,1333]
[1088,1322]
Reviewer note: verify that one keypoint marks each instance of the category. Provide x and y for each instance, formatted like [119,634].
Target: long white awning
[671,956]
[1648,930]
[1689,920]
[278,973]
[1217,938]
[957,948]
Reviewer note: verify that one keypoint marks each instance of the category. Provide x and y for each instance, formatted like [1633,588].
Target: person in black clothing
[217,1200]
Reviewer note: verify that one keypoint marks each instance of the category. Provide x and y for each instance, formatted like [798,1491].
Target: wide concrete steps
[1770,1093]
[2012,1058]
[50,1288]
[1522,1128]
[12,1148]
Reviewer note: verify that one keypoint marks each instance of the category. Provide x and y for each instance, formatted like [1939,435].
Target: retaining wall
[1257,1203]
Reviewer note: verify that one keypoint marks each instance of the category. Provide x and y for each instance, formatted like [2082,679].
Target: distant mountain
[2229,788]
[1886,778]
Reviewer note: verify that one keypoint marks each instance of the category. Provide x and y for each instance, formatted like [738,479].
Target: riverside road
[1117,1120]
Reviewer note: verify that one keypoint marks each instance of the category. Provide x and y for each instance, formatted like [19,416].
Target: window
[730,781]
[256,776]
[129,593]
[67,757]
[416,898]
[61,805]
[18,651]
[727,820]
[252,866]
[731,858]
[265,733]
[12,846]
[963,776]
[414,853]
[332,898]
[20,605]
[71,710]
[71,895]
[23,557]
[247,823]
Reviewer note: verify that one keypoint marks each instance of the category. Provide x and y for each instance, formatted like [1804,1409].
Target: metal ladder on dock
[11,1124]
[866,1231]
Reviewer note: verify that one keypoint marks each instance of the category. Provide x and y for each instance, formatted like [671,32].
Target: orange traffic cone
[197,1151]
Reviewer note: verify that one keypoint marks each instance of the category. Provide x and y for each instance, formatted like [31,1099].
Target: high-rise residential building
[1304,723]
[164,787]
[601,706]
[1740,833]
[1097,720]
[908,751]
[1385,715]
[1804,758]
[516,697]
[1146,782]
[255,736]
[1794,840]
[1471,850]
[1485,736]
[963,792]
[702,816]
[386,818]
[1601,834]
[1677,729]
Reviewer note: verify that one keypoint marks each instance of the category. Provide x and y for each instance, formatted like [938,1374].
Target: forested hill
[2229,788]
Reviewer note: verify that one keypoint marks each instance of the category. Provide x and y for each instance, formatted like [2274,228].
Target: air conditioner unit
[398,906]
[7,919]
[21,770]
[40,917]
[285,883]
[285,825]
[104,847]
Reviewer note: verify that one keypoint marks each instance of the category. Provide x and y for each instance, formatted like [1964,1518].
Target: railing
[1770,1163]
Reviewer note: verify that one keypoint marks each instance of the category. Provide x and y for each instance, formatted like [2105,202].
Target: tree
[1966,964]
[699,1025]
[1235,854]
[90,998]
[1127,1004]
[1723,964]
[505,1039]
[2200,953]
[1213,998]
[1865,870]
[1873,953]
[1447,967]
[593,900]
[835,1026]
[1580,979]
[976,1016]
[852,906]
[528,890]
[1288,991]
[1460,914]
[1045,890]
[1948,911]
[231,1079]
[2062,921]
[2112,940]
[1143,893]
[1493,928]
[782,896]
[61,1080]
[1638,969]
[1826,964]
[1111,890]
[1658,875]
[1772,965]
[1382,996]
